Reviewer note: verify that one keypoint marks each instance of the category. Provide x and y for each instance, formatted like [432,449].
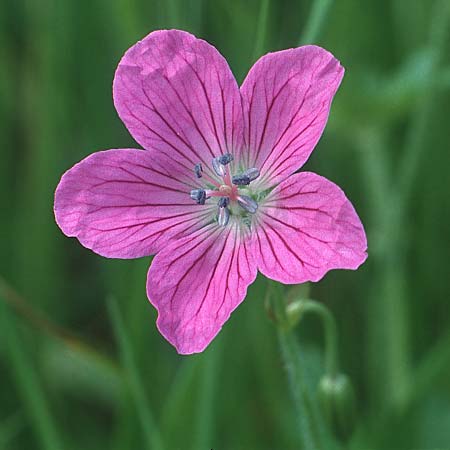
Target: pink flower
[215,194]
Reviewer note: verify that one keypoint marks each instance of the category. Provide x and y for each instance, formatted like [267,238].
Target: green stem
[315,22]
[291,356]
[330,330]
[290,350]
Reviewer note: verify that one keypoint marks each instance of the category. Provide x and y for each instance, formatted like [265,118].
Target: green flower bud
[337,399]
[294,312]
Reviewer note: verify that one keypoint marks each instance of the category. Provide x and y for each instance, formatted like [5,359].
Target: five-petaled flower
[214,194]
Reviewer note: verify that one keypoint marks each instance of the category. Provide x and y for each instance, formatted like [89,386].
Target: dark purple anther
[218,167]
[223,202]
[252,173]
[199,195]
[223,216]
[241,180]
[225,159]
[247,203]
[198,169]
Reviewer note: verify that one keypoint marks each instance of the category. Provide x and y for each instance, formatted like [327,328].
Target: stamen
[246,177]
[223,202]
[247,203]
[218,167]
[199,195]
[241,179]
[253,173]
[223,216]
[210,180]
[198,169]
[213,193]
[225,159]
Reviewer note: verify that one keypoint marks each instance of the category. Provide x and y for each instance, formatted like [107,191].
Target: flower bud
[294,312]
[337,399]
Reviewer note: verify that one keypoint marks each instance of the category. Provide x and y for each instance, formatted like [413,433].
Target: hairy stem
[310,432]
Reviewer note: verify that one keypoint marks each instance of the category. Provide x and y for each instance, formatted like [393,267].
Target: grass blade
[28,385]
[316,20]
[205,412]
[261,32]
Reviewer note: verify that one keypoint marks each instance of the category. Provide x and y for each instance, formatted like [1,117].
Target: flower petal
[176,93]
[196,283]
[126,203]
[287,96]
[306,227]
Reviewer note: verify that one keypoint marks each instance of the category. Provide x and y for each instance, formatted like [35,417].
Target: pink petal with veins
[197,282]
[176,94]
[127,203]
[307,227]
[287,97]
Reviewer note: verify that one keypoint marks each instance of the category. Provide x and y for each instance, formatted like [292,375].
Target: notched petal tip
[171,89]
[116,202]
[288,95]
[313,227]
[196,283]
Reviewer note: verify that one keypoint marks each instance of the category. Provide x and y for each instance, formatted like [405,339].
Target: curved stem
[330,330]
[312,431]
[309,433]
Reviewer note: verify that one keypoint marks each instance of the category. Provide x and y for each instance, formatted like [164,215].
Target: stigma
[226,189]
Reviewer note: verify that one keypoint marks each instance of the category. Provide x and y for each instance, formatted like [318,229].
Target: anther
[223,202]
[223,216]
[218,167]
[220,162]
[225,159]
[244,179]
[241,180]
[253,173]
[247,203]
[199,195]
[198,169]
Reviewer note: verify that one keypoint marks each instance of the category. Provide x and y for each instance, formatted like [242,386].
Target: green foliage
[113,381]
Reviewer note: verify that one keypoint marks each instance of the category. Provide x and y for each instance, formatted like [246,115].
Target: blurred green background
[82,365]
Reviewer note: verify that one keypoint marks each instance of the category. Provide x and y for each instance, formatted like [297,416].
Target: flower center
[227,190]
